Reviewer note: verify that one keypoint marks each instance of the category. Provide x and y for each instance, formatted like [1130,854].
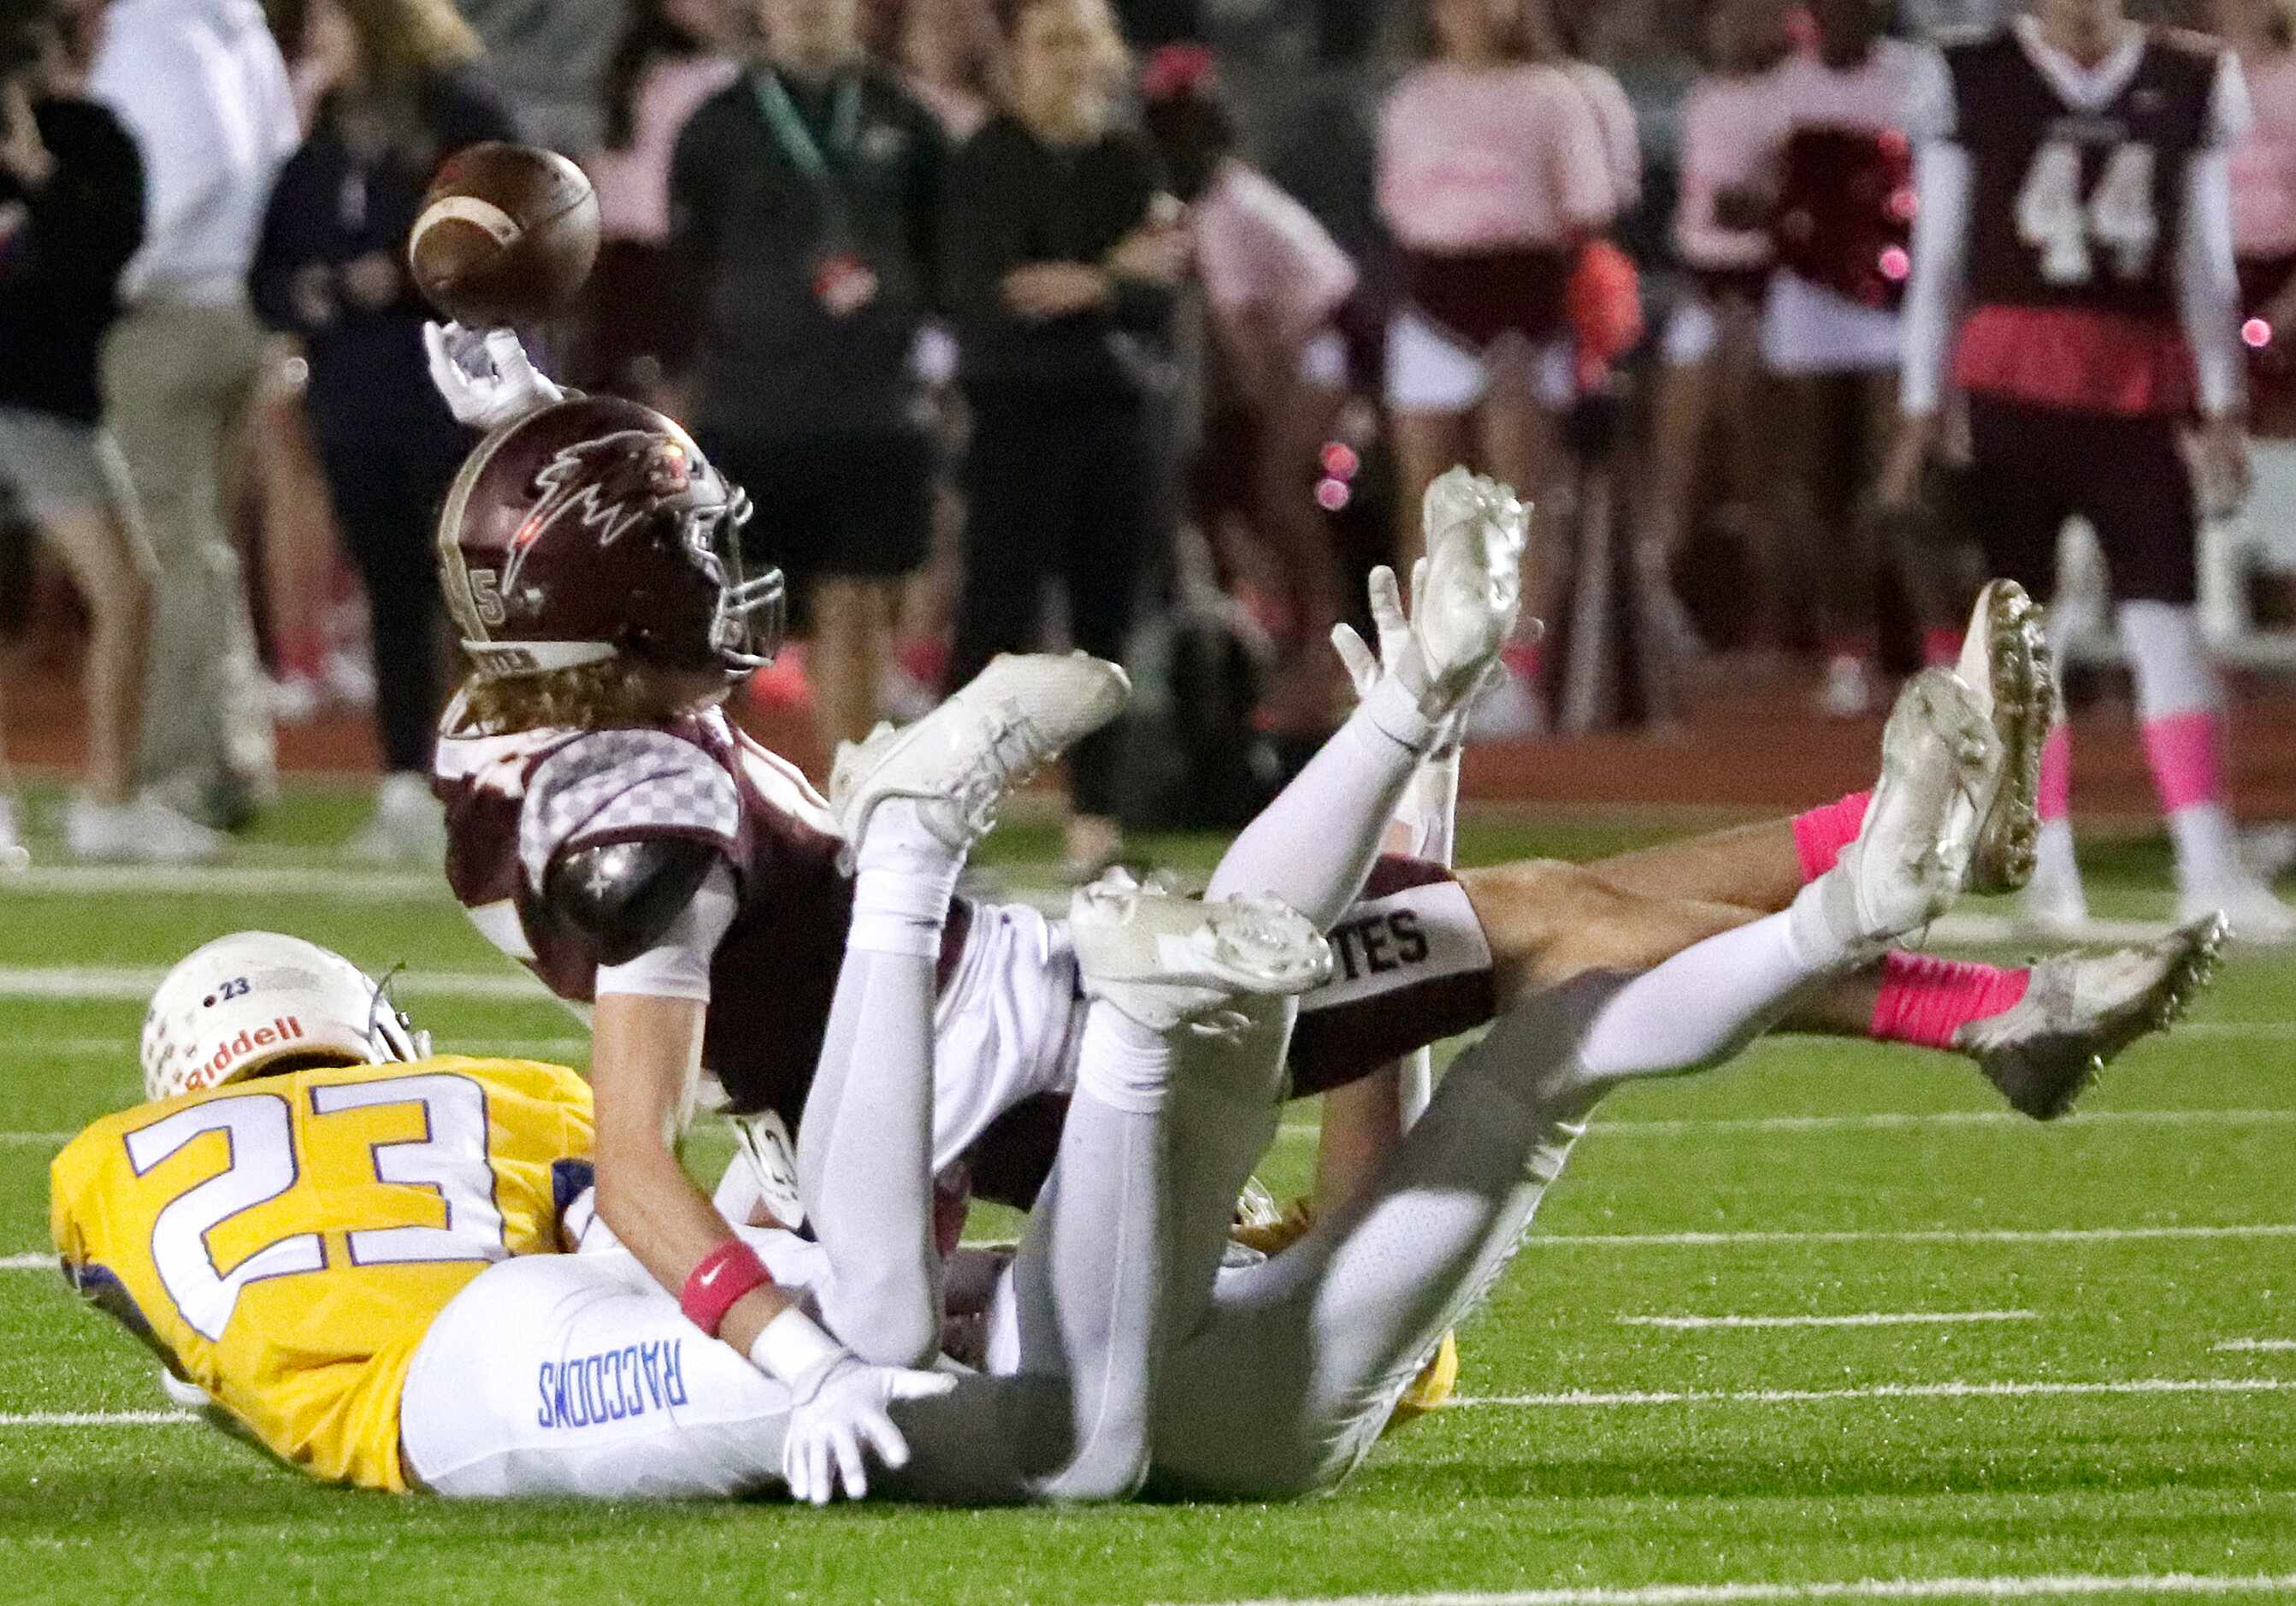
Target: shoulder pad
[624,895]
[625,785]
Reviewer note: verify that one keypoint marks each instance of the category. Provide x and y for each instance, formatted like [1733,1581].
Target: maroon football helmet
[594,528]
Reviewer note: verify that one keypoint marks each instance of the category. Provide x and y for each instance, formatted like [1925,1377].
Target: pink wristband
[725,1273]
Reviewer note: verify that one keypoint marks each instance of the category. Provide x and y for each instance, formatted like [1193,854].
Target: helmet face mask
[596,529]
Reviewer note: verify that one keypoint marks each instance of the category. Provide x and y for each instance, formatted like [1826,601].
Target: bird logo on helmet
[595,529]
[243,1003]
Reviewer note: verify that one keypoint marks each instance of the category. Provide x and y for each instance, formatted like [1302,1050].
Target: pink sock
[1926,1001]
[1940,647]
[2054,799]
[1821,834]
[2185,752]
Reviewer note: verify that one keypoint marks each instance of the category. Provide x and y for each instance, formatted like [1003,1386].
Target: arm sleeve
[1586,189]
[2208,280]
[678,966]
[1941,186]
[2207,284]
[927,175]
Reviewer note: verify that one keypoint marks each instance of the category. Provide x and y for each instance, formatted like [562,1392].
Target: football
[507,234]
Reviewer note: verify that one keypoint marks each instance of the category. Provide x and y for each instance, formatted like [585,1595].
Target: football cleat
[1466,600]
[1015,717]
[2005,663]
[2080,1011]
[1168,962]
[1940,759]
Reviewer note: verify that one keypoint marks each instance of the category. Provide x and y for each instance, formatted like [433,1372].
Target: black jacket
[750,229]
[1012,199]
[333,204]
[61,251]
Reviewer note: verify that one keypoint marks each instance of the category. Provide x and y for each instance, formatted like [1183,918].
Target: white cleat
[2005,663]
[1168,962]
[2081,1011]
[1467,599]
[1016,715]
[142,831]
[1940,759]
[2256,917]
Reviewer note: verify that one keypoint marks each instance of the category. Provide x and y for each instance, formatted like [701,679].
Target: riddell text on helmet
[285,1028]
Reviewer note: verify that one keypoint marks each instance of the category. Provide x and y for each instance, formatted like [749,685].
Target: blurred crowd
[1138,327]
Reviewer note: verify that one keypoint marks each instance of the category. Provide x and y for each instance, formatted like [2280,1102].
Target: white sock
[1124,1064]
[2052,855]
[2207,848]
[904,881]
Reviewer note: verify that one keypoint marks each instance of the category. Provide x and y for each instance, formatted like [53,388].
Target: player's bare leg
[852,642]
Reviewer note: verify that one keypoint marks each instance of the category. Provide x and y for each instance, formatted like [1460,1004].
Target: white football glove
[485,375]
[836,1409]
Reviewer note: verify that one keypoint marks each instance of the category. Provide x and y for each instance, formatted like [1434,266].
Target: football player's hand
[1392,623]
[838,1420]
[485,375]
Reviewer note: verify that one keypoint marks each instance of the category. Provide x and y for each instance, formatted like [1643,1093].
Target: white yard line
[1636,1240]
[94,1419]
[1871,1319]
[28,1263]
[2255,1347]
[2013,1586]
[1584,1399]
[337,882]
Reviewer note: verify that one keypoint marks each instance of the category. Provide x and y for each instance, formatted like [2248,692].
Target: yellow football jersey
[287,1240]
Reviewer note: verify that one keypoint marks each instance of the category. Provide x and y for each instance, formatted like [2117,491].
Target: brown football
[507,234]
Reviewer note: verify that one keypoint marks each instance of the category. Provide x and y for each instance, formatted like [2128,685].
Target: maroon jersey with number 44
[2075,215]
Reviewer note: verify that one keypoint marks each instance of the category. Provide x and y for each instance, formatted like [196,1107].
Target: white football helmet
[250,999]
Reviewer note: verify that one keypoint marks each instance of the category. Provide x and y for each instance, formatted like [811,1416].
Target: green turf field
[2115,1409]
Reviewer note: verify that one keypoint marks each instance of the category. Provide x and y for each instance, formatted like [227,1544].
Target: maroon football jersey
[2075,217]
[515,804]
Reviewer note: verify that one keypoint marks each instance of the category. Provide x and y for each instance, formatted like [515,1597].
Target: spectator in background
[1497,163]
[1712,368]
[802,208]
[1062,256]
[1275,284]
[201,86]
[330,270]
[1839,176]
[2263,534]
[71,215]
[946,51]
[547,58]
[674,56]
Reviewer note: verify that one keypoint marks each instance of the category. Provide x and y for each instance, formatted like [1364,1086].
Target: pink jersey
[633,184]
[2264,162]
[1256,248]
[1726,143]
[1479,159]
[1614,115]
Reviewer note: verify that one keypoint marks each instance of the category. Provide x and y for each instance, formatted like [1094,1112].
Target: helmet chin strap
[383,1013]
